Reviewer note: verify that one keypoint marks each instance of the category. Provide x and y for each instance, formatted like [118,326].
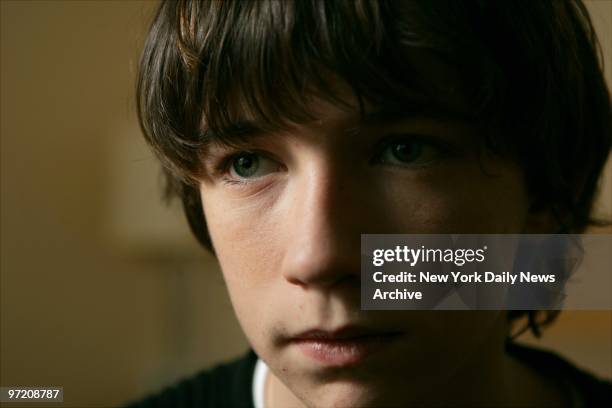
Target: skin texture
[288,241]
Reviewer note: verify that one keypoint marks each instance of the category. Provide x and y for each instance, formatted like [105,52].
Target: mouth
[344,347]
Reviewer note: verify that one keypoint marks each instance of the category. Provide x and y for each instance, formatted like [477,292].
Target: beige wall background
[102,289]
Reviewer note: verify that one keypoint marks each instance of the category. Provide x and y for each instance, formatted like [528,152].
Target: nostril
[294,280]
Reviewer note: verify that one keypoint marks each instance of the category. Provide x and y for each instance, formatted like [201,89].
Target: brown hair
[527,71]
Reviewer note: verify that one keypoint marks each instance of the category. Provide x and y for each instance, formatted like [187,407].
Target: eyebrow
[246,130]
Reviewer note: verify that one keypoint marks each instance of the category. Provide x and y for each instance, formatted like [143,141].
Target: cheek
[463,201]
[244,239]
[239,235]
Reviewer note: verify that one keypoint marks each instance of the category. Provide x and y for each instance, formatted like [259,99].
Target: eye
[408,152]
[251,165]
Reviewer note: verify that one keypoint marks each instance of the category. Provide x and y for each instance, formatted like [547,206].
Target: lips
[344,347]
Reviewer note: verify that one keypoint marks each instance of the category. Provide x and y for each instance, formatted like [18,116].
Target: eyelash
[442,147]
[221,168]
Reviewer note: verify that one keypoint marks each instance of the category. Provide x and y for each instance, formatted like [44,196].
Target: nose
[326,213]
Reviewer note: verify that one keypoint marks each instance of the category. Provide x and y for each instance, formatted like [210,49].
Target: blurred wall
[87,302]
[103,291]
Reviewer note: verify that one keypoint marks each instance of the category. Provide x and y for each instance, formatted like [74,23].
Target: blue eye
[251,165]
[408,153]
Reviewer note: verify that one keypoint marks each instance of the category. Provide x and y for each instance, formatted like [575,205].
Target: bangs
[265,62]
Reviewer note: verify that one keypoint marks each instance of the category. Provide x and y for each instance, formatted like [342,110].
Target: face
[285,212]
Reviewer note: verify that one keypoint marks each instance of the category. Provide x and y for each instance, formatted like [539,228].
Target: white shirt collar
[259,383]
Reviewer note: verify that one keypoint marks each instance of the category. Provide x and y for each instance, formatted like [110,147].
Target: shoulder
[587,389]
[224,385]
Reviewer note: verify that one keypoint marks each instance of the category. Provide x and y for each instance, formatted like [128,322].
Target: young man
[289,128]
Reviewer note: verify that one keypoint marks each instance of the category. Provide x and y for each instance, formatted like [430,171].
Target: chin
[344,395]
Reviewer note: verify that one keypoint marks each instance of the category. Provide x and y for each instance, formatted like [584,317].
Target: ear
[540,219]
